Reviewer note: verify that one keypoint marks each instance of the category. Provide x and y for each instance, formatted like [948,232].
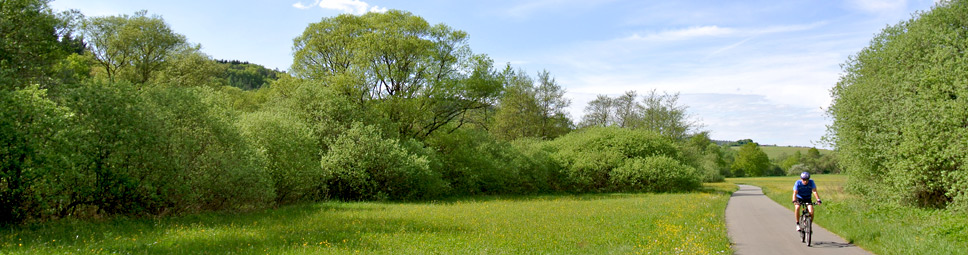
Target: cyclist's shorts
[803,200]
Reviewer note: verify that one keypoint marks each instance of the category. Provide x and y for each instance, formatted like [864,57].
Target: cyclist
[801,194]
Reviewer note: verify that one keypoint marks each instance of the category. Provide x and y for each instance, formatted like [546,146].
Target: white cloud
[879,6]
[683,34]
[717,31]
[347,6]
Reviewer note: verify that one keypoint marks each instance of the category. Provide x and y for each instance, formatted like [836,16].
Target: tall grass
[875,225]
[687,223]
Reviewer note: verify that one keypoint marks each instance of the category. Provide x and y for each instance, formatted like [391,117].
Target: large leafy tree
[751,161]
[420,77]
[531,109]
[131,46]
[30,42]
[900,110]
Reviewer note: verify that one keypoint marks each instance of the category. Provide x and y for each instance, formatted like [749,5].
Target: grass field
[877,227]
[686,223]
[775,151]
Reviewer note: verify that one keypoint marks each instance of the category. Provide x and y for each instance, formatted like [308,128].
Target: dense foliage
[901,110]
[382,106]
[247,76]
[590,156]
[751,161]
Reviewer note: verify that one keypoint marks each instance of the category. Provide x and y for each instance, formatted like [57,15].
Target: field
[775,151]
[687,223]
[877,227]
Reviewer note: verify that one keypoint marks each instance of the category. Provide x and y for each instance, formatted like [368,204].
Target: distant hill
[775,151]
[247,76]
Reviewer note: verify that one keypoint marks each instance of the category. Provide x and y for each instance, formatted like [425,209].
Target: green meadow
[877,226]
[643,223]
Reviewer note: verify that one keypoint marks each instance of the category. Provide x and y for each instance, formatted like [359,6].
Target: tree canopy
[900,110]
[422,77]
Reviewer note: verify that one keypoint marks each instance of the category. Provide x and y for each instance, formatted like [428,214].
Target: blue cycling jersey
[804,191]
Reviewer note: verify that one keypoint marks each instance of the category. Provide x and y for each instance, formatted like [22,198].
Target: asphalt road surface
[757,225]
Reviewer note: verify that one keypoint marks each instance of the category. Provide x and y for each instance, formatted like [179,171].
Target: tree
[790,161]
[660,113]
[627,110]
[187,66]
[598,112]
[518,113]
[751,161]
[663,114]
[899,111]
[420,77]
[133,46]
[527,109]
[30,43]
[552,103]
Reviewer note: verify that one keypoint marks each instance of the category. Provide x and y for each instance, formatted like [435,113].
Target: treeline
[900,111]
[383,106]
[245,75]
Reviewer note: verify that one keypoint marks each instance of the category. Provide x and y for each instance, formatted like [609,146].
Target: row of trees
[900,111]
[379,106]
[660,113]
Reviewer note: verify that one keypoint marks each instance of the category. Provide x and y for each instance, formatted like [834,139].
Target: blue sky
[746,69]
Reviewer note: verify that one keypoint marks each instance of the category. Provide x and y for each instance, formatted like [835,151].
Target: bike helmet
[805,175]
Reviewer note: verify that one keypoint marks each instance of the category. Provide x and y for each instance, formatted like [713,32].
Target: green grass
[876,226]
[687,223]
[775,151]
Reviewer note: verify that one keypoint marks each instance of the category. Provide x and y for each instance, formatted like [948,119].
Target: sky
[758,70]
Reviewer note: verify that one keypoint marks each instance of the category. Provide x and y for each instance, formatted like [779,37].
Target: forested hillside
[245,75]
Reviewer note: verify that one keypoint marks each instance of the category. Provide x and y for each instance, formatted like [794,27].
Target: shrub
[539,171]
[589,155]
[657,173]
[473,162]
[363,165]
[32,131]
[220,169]
[119,157]
[291,151]
[799,168]
[158,150]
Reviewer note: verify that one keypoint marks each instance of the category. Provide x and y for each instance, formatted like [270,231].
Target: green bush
[539,171]
[119,157]
[655,174]
[589,155]
[363,165]
[291,151]
[900,107]
[145,151]
[32,131]
[473,162]
[221,169]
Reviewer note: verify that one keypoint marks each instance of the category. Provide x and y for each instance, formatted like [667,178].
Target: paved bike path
[757,225]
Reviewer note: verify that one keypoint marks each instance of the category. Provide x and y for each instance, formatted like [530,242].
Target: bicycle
[806,224]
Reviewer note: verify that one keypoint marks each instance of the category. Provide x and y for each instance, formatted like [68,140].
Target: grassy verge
[688,223]
[878,227]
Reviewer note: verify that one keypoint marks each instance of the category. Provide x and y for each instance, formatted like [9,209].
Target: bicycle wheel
[808,229]
[803,219]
